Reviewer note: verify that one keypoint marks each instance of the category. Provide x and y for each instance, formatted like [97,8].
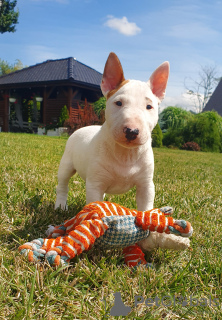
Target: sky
[143,33]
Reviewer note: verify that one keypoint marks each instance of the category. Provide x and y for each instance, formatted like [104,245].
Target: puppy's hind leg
[65,172]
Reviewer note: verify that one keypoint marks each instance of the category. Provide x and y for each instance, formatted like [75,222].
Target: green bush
[173,137]
[99,106]
[204,128]
[64,115]
[174,117]
[157,136]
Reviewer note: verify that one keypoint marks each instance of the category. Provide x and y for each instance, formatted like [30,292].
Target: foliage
[41,126]
[192,146]
[6,67]
[173,137]
[99,106]
[157,136]
[51,126]
[8,16]
[64,115]
[204,128]
[86,117]
[27,110]
[28,178]
[174,117]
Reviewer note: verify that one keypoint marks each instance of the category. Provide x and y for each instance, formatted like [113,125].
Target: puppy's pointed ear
[112,75]
[158,80]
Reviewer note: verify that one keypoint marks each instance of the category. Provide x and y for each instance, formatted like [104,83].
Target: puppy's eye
[119,103]
[149,107]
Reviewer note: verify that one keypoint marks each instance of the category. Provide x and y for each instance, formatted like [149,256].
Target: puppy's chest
[120,169]
[121,178]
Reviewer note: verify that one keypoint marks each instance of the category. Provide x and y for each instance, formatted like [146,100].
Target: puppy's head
[132,106]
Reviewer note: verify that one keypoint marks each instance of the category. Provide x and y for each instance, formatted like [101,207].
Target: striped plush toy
[105,224]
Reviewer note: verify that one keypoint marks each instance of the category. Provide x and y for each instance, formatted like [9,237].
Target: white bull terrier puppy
[116,156]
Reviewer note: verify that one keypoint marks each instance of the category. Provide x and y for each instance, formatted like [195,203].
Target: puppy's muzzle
[131,134]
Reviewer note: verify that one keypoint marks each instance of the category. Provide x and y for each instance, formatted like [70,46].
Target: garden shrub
[174,117]
[205,129]
[64,115]
[192,146]
[86,117]
[157,136]
[173,137]
[99,106]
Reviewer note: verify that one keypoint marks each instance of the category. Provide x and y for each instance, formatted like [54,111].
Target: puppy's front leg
[145,193]
[94,191]
[65,172]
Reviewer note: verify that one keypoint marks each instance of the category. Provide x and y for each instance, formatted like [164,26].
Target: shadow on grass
[34,218]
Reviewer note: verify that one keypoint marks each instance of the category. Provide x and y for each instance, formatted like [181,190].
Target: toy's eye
[119,103]
[149,107]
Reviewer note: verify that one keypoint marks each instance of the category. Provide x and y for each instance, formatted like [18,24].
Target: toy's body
[106,224]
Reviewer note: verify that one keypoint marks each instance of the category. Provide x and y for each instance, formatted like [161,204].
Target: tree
[173,117]
[8,16]
[6,68]
[202,89]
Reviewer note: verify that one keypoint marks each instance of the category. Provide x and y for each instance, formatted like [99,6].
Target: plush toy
[109,225]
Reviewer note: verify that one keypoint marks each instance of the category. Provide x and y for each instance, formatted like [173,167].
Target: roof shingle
[67,69]
[215,101]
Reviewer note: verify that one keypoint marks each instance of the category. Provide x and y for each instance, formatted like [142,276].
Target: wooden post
[6,112]
[69,103]
[44,105]
[71,94]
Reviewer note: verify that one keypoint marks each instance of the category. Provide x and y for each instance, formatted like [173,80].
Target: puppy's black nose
[131,134]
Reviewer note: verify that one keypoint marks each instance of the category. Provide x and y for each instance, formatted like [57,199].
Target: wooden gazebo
[46,88]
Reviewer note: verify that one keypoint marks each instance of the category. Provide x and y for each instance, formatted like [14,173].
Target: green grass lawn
[188,181]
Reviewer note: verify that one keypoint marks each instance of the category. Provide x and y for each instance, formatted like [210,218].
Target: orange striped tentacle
[83,237]
[183,230]
[123,210]
[30,256]
[56,230]
[107,208]
[86,228]
[51,243]
[71,250]
[154,220]
[133,255]
[84,214]
[70,223]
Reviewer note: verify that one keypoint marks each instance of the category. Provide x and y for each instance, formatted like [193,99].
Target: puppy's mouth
[131,138]
[129,143]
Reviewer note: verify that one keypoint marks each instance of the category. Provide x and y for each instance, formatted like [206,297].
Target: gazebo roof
[215,101]
[62,70]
